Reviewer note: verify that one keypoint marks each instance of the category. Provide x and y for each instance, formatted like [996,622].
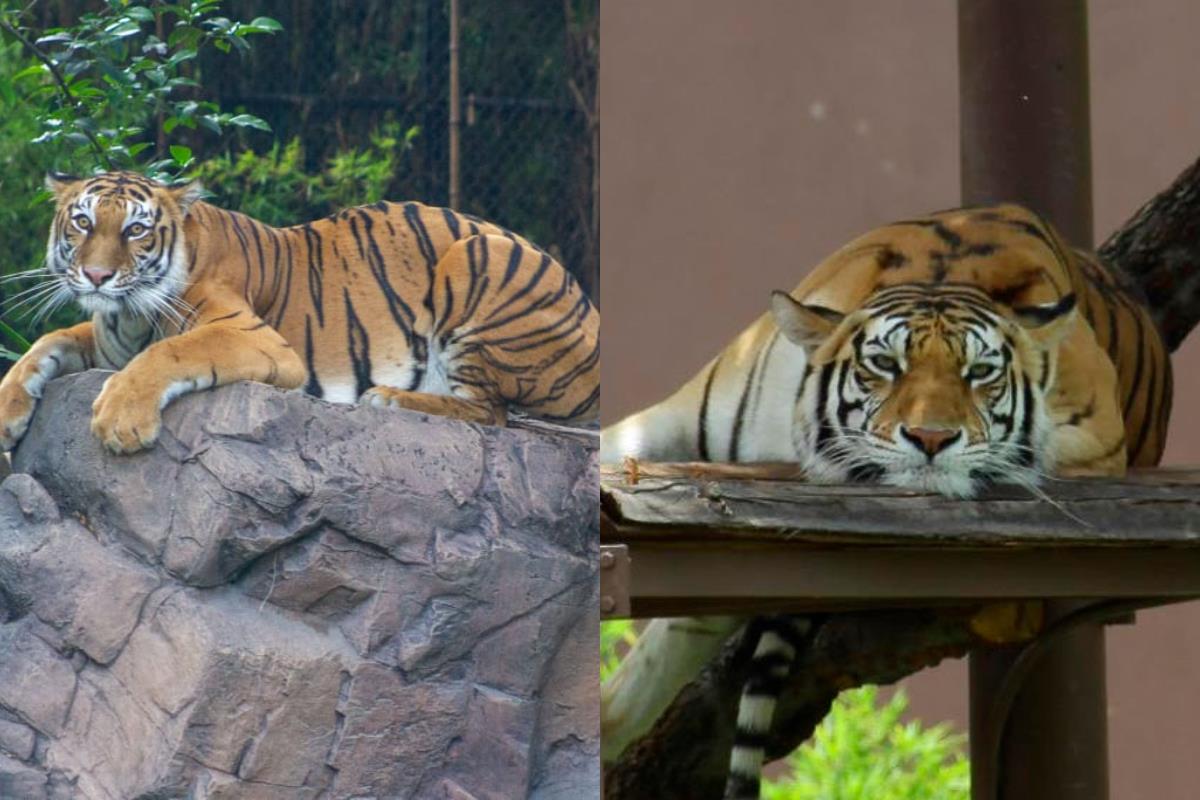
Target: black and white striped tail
[779,640]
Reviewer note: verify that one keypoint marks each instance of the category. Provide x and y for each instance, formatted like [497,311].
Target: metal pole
[455,108]
[1024,137]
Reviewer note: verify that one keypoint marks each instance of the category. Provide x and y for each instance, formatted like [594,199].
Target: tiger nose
[97,275]
[931,440]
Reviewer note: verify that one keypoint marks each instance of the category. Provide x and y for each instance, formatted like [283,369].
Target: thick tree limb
[1159,249]
[685,753]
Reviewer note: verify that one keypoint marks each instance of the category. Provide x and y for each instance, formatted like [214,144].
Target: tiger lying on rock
[392,305]
[942,354]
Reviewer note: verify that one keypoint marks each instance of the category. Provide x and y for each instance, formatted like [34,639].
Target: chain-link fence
[345,72]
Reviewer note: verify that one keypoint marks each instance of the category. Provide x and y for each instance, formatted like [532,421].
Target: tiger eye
[135,230]
[979,371]
[884,363]
[82,221]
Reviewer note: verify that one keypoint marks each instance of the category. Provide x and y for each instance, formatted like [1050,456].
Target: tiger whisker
[24,275]
[30,301]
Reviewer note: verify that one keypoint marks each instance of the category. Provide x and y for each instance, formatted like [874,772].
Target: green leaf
[17,339]
[56,38]
[181,154]
[211,122]
[265,24]
[186,54]
[250,121]
[123,29]
[31,70]
[140,13]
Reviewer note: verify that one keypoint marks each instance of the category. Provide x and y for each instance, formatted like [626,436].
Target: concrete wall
[742,142]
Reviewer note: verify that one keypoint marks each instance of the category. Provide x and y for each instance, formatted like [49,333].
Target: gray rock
[21,780]
[17,740]
[289,599]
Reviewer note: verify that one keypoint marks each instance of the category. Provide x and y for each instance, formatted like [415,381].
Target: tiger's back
[415,297]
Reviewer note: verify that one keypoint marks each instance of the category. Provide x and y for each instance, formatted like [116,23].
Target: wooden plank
[1159,507]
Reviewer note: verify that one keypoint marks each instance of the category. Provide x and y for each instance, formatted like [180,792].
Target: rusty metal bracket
[615,578]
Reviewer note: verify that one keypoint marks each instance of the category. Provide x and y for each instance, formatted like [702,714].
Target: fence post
[455,110]
[1024,137]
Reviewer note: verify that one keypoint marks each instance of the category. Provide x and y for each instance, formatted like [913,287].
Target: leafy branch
[41,55]
[114,74]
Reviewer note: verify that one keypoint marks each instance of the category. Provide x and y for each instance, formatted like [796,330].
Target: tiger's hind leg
[512,328]
[443,405]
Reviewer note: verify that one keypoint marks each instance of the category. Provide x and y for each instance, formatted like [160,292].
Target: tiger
[943,353]
[390,305]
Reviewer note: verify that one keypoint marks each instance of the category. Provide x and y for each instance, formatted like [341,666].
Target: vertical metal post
[455,108]
[1024,135]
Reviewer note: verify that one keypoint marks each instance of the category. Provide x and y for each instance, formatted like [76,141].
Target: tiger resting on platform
[391,304]
[941,354]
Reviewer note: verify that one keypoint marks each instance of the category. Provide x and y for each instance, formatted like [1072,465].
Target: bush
[862,751]
[274,187]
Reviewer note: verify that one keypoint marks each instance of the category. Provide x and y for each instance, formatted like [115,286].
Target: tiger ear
[805,325]
[59,182]
[186,194]
[1049,324]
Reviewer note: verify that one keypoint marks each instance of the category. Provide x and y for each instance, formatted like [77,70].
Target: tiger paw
[125,417]
[16,410]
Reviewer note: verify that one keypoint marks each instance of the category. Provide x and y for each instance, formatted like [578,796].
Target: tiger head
[116,243]
[930,387]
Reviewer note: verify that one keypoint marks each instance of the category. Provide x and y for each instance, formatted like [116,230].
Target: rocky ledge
[290,599]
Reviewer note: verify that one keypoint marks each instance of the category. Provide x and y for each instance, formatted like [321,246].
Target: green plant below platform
[615,636]
[862,750]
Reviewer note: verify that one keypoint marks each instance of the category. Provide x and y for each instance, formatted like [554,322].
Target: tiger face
[116,244]
[929,387]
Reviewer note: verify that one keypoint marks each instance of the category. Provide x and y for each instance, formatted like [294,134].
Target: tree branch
[1159,249]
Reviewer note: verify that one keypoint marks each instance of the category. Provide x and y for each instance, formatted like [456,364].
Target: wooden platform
[686,539]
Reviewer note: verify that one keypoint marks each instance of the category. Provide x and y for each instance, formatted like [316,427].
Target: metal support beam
[1023,90]
[691,578]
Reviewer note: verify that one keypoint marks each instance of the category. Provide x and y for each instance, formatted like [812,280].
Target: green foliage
[863,751]
[614,635]
[98,85]
[275,187]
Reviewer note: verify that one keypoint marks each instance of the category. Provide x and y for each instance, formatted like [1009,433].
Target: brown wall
[744,141]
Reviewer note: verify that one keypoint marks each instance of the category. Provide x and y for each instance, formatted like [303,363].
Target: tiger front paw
[16,410]
[125,417]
